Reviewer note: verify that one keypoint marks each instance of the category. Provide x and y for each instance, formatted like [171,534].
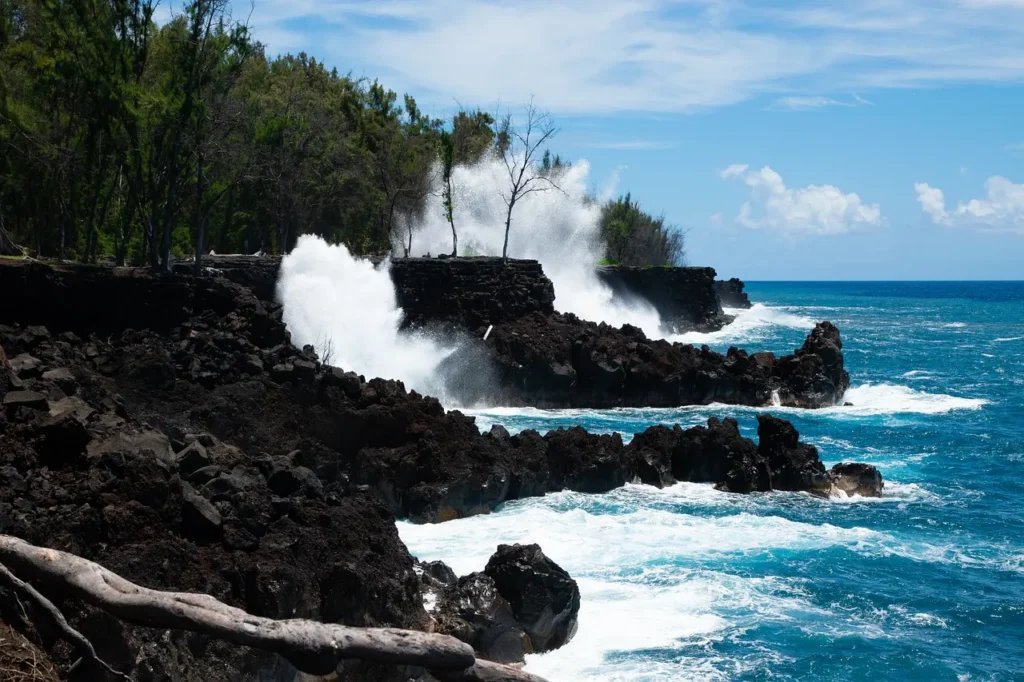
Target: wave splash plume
[347,309]
[558,227]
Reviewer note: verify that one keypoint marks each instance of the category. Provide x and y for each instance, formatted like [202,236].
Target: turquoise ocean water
[693,584]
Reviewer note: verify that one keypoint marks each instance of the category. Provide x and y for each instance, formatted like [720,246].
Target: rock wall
[730,293]
[685,298]
[470,292]
[461,292]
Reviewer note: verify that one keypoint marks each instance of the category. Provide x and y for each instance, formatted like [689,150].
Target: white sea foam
[347,308]
[917,373]
[651,576]
[1009,338]
[871,399]
[750,324]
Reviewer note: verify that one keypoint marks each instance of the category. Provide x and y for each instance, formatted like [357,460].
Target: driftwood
[312,647]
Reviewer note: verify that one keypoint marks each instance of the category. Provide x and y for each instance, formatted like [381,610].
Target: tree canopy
[144,143]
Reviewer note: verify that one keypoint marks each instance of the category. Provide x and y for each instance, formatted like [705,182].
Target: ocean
[926,583]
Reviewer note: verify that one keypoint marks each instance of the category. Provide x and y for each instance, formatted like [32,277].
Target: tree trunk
[508,226]
[312,647]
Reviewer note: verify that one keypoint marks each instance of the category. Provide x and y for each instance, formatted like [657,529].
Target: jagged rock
[26,366]
[730,293]
[545,600]
[305,370]
[251,363]
[473,611]
[192,458]
[793,465]
[287,481]
[199,518]
[856,479]
[63,438]
[283,373]
[135,444]
[64,379]
[30,399]
[349,382]
[73,404]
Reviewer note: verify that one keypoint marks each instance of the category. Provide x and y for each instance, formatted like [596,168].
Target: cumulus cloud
[814,209]
[1002,208]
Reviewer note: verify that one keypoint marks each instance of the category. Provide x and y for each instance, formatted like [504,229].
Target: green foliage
[634,237]
[123,139]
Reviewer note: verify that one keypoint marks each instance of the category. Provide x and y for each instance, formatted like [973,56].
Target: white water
[347,309]
[657,576]
[751,324]
[871,399]
[558,228]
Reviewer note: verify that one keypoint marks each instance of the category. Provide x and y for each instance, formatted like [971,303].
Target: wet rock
[283,373]
[473,611]
[793,465]
[852,478]
[349,382]
[545,600]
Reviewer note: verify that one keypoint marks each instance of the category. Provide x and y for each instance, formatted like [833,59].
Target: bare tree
[518,146]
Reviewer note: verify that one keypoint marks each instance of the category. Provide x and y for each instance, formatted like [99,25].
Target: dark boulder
[793,465]
[854,478]
[30,399]
[473,611]
[730,293]
[544,598]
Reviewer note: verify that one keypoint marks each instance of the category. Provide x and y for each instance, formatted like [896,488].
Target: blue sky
[880,139]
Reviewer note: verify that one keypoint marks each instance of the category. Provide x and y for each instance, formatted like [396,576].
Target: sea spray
[347,309]
[558,227]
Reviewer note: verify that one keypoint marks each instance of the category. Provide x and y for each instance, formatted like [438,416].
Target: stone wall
[470,292]
[461,292]
[685,298]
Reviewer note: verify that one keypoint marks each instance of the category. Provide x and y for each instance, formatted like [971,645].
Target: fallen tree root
[312,647]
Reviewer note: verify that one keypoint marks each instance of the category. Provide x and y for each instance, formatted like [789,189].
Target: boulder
[792,465]
[286,481]
[64,379]
[30,399]
[473,611]
[192,458]
[200,520]
[63,439]
[26,366]
[544,598]
[854,478]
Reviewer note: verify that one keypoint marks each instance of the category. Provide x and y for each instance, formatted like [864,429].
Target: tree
[446,152]
[634,237]
[518,147]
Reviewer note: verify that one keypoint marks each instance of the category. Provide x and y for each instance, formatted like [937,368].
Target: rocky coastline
[165,427]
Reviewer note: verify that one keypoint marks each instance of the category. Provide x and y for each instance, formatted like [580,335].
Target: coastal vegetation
[125,138]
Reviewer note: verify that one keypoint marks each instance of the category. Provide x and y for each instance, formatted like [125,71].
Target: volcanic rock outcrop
[521,603]
[730,293]
[165,427]
[558,360]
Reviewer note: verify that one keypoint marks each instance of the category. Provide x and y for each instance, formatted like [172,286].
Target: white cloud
[1002,209]
[814,209]
[812,102]
[606,56]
